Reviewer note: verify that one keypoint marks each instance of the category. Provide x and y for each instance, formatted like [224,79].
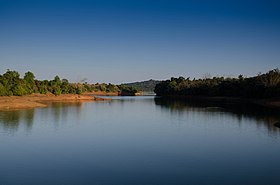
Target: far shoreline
[41,100]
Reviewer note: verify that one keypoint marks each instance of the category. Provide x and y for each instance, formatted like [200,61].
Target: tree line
[12,85]
[265,85]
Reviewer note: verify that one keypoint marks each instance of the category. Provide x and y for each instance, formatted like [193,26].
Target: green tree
[56,90]
[55,86]
[57,80]
[3,91]
[10,81]
[65,86]
[29,79]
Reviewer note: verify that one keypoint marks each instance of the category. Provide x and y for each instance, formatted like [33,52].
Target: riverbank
[269,103]
[41,100]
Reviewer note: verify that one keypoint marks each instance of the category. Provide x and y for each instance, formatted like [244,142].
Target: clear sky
[133,40]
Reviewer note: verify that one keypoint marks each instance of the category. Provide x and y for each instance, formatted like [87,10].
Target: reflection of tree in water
[10,120]
[60,110]
[262,116]
[58,113]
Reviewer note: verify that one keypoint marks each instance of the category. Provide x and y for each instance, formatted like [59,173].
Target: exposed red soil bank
[39,100]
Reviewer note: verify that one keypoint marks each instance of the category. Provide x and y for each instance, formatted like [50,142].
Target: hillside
[146,86]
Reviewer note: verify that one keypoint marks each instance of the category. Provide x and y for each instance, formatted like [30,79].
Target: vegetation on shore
[265,85]
[12,85]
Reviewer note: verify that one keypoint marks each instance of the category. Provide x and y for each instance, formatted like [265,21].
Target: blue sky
[133,40]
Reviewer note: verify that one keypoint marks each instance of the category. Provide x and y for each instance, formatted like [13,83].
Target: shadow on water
[11,121]
[270,118]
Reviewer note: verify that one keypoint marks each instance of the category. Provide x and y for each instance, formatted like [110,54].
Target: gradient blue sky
[133,40]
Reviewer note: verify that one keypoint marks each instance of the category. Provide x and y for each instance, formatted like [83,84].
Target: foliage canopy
[261,86]
[12,85]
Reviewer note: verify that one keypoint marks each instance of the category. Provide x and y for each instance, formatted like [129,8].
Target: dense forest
[265,85]
[12,85]
[144,86]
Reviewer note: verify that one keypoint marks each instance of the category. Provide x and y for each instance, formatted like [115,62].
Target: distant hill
[144,86]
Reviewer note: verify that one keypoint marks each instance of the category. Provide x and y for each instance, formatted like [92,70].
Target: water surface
[139,140]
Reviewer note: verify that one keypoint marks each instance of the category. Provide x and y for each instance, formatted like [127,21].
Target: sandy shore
[41,100]
[99,93]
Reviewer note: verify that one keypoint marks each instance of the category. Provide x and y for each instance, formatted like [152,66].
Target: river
[139,141]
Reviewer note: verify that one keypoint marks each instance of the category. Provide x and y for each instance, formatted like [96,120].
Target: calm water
[139,141]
